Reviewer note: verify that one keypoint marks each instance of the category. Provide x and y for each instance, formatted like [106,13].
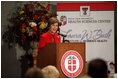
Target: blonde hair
[50,72]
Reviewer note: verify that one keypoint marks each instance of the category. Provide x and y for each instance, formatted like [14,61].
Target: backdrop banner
[90,22]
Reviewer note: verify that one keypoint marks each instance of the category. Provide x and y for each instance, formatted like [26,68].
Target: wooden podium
[53,52]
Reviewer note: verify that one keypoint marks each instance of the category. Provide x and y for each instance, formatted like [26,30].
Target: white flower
[30,33]
[32,24]
[22,18]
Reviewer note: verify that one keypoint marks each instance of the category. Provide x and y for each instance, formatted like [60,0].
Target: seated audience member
[111,67]
[86,76]
[34,72]
[50,72]
[97,68]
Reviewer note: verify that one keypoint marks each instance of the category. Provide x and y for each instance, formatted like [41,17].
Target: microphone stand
[62,36]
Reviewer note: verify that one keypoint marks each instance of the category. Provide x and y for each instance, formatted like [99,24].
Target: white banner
[95,27]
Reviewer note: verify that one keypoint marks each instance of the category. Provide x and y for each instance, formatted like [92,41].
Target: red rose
[38,4]
[38,13]
[35,28]
[48,7]
[36,17]
[23,37]
[23,26]
[44,20]
[55,15]
[31,6]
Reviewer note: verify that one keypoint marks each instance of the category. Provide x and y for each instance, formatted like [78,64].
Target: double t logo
[84,9]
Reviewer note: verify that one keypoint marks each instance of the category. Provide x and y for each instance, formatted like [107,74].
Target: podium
[52,54]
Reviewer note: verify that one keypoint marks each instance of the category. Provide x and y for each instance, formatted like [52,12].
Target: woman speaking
[50,36]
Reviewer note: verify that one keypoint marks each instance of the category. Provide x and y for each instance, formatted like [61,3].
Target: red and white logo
[72,63]
[63,20]
[85,10]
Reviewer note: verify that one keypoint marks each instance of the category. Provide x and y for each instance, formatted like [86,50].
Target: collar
[51,34]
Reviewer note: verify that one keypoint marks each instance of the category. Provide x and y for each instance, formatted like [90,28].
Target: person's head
[111,65]
[50,72]
[34,72]
[53,24]
[97,68]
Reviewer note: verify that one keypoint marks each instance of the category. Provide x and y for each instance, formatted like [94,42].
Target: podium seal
[71,63]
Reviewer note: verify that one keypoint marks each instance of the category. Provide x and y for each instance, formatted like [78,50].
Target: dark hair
[51,21]
[34,72]
[97,68]
[111,63]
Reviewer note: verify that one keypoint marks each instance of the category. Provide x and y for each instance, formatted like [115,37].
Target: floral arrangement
[28,23]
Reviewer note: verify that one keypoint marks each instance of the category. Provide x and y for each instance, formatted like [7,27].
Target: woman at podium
[50,36]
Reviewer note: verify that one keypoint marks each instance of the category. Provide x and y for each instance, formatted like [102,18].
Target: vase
[34,46]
